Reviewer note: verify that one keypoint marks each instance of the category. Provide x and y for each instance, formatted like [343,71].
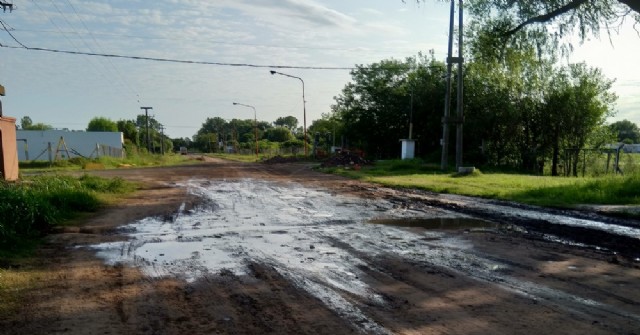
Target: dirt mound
[345,158]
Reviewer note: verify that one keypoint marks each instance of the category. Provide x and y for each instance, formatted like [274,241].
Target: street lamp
[255,123]
[304,107]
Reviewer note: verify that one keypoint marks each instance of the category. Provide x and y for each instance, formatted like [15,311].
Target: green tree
[378,105]
[580,99]
[278,134]
[102,124]
[556,17]
[289,122]
[26,122]
[129,131]
[40,126]
[626,131]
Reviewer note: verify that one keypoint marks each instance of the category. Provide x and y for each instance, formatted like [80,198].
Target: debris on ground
[280,159]
[345,158]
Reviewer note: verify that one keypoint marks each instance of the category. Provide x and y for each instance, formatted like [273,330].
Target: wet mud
[226,248]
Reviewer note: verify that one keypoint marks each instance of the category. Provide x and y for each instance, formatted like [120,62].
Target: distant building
[631,148]
[47,145]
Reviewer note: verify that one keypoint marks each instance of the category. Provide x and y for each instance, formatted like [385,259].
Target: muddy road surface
[230,248]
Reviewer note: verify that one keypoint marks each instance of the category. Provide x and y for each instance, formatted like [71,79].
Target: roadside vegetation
[529,189]
[31,207]
[80,163]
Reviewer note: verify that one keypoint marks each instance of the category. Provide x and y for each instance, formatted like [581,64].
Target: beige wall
[9,147]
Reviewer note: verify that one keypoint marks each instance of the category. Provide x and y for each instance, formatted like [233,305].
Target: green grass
[236,157]
[33,206]
[145,160]
[536,190]
[79,163]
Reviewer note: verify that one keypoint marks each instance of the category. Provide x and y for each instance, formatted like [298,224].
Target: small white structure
[408,148]
[48,145]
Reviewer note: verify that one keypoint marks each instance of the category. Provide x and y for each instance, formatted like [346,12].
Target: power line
[181,61]
[4,26]
[167,60]
[117,72]
[260,45]
[94,64]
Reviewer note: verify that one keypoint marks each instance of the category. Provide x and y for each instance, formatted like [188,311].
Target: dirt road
[230,248]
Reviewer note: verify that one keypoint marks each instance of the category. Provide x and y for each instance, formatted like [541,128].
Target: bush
[30,208]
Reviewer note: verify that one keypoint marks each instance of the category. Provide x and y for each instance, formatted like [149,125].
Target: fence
[599,162]
[103,150]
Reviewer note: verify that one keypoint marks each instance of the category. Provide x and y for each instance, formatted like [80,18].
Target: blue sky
[66,91]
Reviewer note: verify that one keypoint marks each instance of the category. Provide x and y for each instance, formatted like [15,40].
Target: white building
[47,145]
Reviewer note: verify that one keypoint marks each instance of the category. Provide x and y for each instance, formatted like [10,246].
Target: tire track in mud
[453,262]
[404,283]
[610,236]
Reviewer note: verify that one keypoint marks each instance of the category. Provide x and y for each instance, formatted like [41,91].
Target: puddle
[438,223]
[309,236]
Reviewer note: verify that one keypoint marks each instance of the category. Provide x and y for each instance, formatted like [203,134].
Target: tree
[289,122]
[278,134]
[626,131]
[39,126]
[587,16]
[549,24]
[102,124]
[26,122]
[129,131]
[377,106]
[581,100]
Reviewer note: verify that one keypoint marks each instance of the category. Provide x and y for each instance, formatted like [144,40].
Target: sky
[67,90]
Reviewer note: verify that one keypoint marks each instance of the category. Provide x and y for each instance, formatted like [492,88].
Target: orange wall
[9,148]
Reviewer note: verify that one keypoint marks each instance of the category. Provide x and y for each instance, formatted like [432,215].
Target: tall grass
[31,207]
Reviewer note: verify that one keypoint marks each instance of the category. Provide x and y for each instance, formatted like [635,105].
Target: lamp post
[255,123]
[304,107]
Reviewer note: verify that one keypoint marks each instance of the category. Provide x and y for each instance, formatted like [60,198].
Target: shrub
[30,208]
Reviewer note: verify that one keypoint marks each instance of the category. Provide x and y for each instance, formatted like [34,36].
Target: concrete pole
[162,139]
[146,114]
[447,103]
[459,103]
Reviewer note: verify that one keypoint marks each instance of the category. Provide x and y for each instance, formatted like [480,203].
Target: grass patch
[79,163]
[144,160]
[31,207]
[235,157]
[536,190]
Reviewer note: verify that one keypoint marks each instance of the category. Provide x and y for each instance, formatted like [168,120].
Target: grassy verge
[536,190]
[34,205]
[79,163]
[236,157]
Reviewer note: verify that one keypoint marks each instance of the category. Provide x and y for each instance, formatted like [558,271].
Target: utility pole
[162,140]
[459,105]
[459,119]
[6,5]
[447,97]
[146,114]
